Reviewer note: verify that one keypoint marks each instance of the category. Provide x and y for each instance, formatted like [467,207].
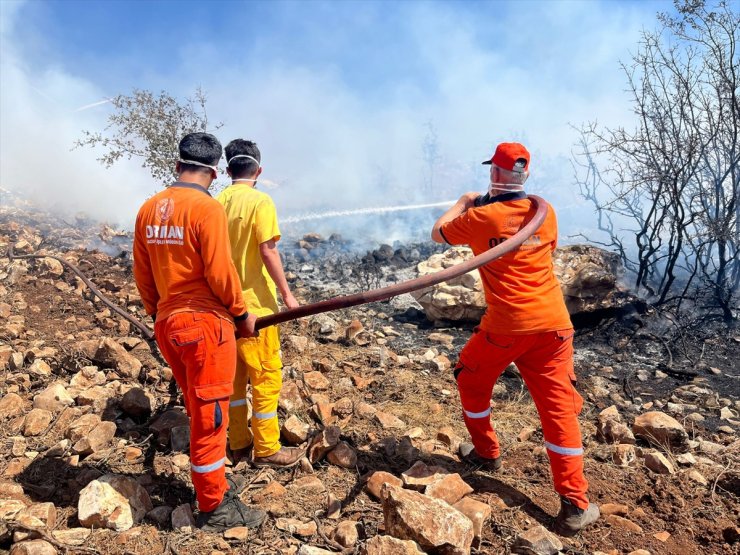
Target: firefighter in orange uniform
[188,284]
[527,323]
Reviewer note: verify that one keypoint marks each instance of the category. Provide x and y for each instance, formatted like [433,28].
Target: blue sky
[337,94]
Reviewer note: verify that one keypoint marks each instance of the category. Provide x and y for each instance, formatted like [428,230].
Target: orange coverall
[184,272]
[527,323]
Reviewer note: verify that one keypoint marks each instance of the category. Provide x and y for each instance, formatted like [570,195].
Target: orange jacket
[522,292]
[182,256]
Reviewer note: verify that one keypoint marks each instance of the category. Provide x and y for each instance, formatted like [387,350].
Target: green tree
[148,127]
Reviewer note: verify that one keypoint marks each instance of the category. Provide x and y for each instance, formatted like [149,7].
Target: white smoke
[326,144]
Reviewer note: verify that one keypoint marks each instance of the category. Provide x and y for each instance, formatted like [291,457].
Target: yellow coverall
[252,221]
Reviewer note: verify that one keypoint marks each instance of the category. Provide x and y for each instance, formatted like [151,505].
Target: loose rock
[420,475]
[113,501]
[450,488]
[663,430]
[112,354]
[431,523]
[182,517]
[537,541]
[294,430]
[378,478]
[657,462]
[612,429]
[347,533]
[387,545]
[343,455]
[477,512]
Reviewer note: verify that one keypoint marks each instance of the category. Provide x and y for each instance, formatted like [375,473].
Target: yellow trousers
[258,362]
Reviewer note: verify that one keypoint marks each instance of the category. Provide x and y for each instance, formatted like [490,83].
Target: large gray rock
[459,299]
[431,523]
[588,279]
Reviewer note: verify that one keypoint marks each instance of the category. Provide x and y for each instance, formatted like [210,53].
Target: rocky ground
[94,440]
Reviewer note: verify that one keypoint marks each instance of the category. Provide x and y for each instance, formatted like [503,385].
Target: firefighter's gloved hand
[245,326]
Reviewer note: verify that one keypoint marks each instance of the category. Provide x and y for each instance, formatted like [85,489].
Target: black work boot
[571,519]
[469,455]
[229,514]
[236,482]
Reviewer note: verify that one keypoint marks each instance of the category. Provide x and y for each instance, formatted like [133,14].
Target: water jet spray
[363,211]
[386,293]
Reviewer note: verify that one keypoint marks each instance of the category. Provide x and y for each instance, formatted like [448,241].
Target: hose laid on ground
[139,325]
[346,301]
[384,293]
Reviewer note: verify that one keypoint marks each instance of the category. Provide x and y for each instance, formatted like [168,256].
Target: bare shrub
[667,194]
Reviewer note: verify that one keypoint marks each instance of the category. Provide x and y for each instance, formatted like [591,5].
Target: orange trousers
[545,361]
[200,348]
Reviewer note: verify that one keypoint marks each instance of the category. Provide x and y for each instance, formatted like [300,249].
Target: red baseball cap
[510,156]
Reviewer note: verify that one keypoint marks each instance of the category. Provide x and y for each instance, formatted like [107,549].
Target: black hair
[242,167]
[199,147]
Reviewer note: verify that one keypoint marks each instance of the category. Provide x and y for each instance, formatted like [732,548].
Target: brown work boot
[469,455]
[571,519]
[230,514]
[286,457]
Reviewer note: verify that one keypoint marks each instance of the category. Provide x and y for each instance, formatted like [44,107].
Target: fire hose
[346,301]
[138,324]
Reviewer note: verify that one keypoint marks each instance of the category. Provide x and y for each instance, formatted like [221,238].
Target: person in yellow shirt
[254,233]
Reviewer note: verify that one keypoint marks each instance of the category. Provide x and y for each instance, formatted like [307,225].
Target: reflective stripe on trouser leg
[239,434]
[206,468]
[484,414]
[261,355]
[547,369]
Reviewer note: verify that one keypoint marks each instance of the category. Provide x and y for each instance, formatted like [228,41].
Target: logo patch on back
[165,209]
[511,224]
